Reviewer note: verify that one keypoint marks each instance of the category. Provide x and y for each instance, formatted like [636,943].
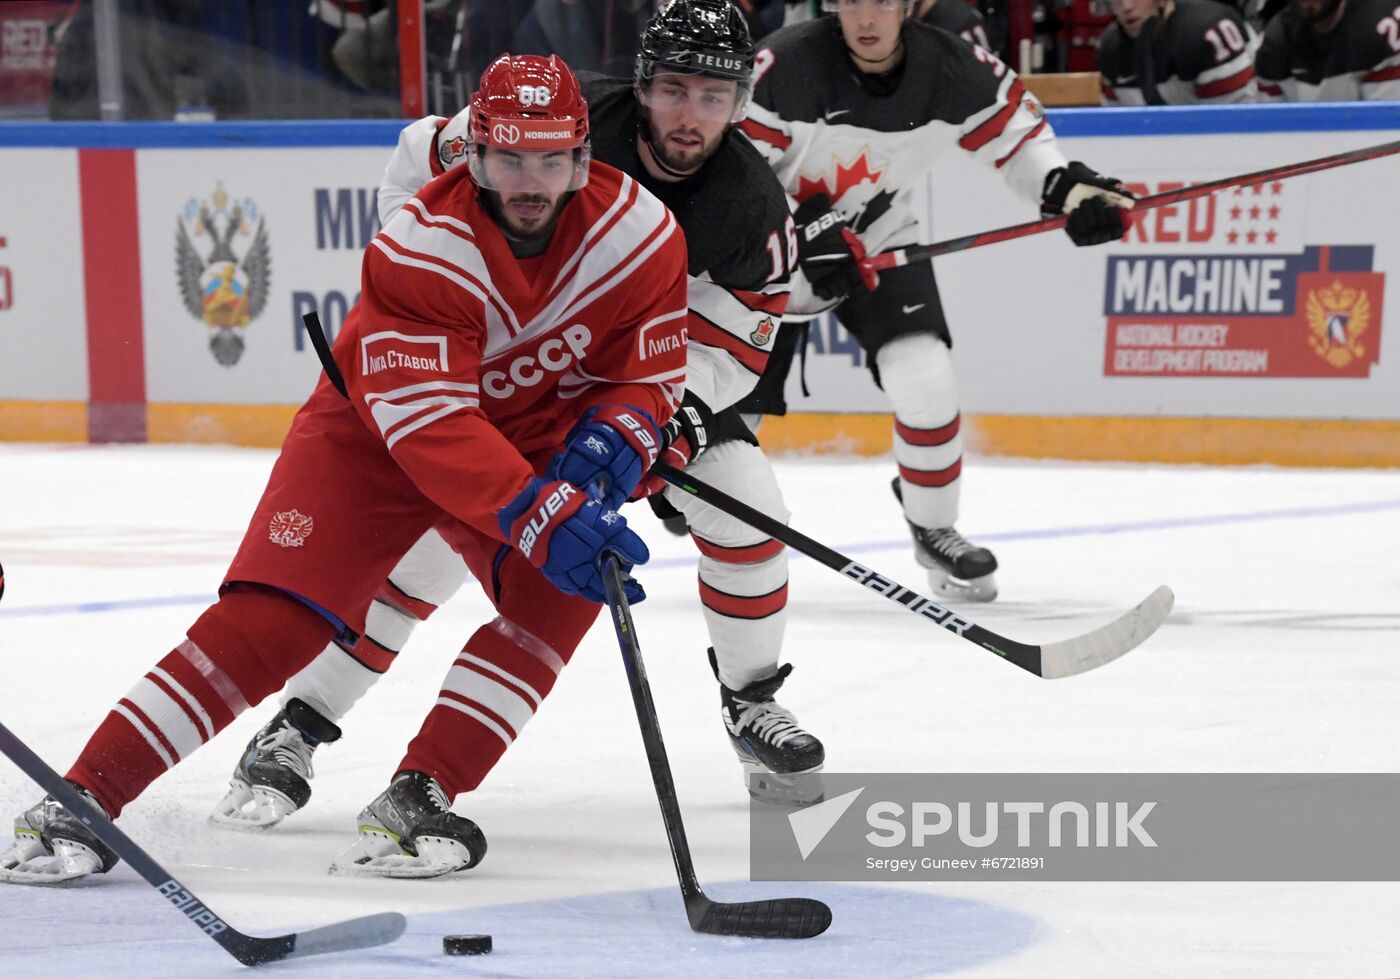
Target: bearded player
[671,126]
[524,303]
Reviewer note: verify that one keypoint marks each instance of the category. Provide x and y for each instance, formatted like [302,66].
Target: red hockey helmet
[528,103]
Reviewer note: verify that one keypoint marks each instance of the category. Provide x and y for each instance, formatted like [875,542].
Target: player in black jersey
[956,17]
[1176,52]
[672,129]
[1331,51]
[852,111]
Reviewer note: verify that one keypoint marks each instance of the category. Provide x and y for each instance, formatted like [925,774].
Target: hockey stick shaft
[359,933]
[661,776]
[322,346]
[1024,656]
[918,253]
[792,917]
[1059,659]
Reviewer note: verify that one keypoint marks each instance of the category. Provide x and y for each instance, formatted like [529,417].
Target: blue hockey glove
[610,448]
[564,532]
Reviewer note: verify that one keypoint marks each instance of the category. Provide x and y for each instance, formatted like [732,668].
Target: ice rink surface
[1283,655]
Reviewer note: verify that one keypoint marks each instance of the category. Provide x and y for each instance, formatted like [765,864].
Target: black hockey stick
[789,917]
[312,322]
[918,253]
[366,932]
[1052,660]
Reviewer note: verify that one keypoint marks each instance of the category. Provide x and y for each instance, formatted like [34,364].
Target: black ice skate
[957,568]
[52,845]
[771,745]
[273,777]
[410,831]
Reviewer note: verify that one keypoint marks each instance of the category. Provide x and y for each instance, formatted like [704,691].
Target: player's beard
[675,159]
[506,209]
[1317,12]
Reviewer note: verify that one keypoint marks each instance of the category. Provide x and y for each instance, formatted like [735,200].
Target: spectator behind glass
[204,59]
[1331,51]
[1176,52]
[164,67]
[591,35]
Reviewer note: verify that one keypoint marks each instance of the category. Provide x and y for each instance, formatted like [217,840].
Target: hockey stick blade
[1051,661]
[1108,642]
[366,932]
[785,917]
[792,917]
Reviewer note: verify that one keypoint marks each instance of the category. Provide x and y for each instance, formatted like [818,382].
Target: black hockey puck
[466,944]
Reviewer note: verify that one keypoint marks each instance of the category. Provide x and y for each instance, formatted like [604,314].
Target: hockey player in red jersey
[670,127]
[851,111]
[498,326]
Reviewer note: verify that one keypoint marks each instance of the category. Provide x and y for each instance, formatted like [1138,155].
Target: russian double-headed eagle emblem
[290,528]
[1337,317]
[221,288]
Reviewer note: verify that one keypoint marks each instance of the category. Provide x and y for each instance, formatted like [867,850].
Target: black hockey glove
[829,253]
[1095,203]
[686,437]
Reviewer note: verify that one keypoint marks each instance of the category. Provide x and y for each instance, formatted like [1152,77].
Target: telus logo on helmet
[701,59]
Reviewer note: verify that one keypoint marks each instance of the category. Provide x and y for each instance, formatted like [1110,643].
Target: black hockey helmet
[698,37]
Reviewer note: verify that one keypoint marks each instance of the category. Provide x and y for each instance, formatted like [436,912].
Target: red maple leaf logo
[452,149]
[847,176]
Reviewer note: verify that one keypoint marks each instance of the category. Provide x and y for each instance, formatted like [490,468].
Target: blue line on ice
[662,564]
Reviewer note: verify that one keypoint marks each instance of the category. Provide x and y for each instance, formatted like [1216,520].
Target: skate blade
[945,585]
[783,789]
[375,854]
[251,808]
[27,862]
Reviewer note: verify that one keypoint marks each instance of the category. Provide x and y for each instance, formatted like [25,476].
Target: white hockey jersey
[864,141]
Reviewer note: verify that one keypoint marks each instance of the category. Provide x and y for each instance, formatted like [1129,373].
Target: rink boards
[153,279]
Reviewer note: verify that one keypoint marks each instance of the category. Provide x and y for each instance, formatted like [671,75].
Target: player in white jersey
[739,237]
[852,111]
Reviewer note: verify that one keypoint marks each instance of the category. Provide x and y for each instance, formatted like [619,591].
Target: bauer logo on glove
[553,503]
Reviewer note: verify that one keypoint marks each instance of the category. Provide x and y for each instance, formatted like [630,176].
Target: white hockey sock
[743,574]
[917,375]
[423,579]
